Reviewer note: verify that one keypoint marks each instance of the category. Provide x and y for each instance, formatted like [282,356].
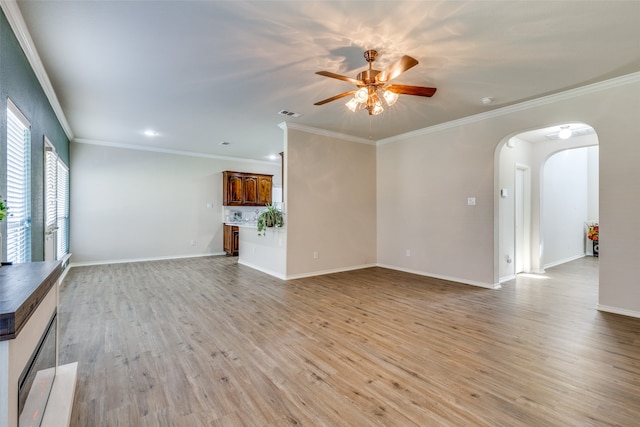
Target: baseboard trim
[263,270]
[124,261]
[616,310]
[332,271]
[441,277]
[563,261]
[507,278]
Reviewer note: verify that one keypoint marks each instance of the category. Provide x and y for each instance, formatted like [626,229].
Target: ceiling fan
[368,82]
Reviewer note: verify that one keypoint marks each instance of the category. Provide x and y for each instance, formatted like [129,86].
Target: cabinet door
[264,190]
[227,240]
[231,239]
[232,189]
[250,184]
[235,240]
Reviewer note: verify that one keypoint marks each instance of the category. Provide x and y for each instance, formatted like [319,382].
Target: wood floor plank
[208,342]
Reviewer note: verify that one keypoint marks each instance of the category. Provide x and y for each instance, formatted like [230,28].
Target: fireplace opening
[36,380]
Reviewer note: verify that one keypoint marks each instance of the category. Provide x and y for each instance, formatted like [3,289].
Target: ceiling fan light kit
[369,82]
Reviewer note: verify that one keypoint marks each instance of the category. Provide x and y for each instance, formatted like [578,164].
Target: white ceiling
[203,72]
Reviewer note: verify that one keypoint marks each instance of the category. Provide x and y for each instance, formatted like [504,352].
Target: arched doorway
[530,203]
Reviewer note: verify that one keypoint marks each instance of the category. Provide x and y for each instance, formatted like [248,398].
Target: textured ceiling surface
[204,72]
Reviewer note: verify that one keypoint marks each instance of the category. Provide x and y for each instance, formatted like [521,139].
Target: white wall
[593,183]
[129,204]
[423,185]
[425,177]
[330,203]
[565,202]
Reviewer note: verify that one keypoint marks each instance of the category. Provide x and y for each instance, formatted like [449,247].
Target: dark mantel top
[22,288]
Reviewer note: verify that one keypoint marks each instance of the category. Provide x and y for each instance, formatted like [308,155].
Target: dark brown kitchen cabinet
[233,189]
[231,236]
[265,185]
[246,189]
[250,189]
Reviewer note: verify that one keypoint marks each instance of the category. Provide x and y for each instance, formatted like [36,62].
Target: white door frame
[522,219]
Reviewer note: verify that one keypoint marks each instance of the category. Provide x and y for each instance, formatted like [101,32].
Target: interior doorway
[531,222]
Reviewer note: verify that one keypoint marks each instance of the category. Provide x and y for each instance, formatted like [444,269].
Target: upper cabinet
[250,189]
[265,184]
[232,189]
[246,189]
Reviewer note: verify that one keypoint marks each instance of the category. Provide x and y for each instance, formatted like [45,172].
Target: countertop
[247,224]
[22,288]
[250,224]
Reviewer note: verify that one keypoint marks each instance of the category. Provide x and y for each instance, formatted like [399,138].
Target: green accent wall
[19,82]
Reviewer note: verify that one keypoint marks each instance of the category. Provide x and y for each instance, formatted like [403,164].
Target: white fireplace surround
[14,356]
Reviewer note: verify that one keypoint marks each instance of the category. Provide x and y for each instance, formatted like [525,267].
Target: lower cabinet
[231,237]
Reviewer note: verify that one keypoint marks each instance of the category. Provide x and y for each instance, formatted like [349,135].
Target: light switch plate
[471,201]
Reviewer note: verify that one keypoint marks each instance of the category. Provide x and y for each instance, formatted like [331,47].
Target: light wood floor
[207,342]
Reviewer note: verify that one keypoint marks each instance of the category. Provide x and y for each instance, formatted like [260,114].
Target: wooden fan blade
[397,68]
[333,98]
[412,90]
[340,77]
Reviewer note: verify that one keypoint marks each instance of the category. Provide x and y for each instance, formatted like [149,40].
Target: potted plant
[270,217]
[3,209]
[593,235]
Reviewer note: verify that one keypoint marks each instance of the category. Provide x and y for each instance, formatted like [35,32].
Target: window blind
[18,186]
[50,182]
[62,208]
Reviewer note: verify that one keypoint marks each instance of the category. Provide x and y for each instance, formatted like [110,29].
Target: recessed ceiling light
[487,100]
[273,157]
[150,132]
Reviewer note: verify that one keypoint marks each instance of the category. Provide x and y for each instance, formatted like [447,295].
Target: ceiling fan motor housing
[368,76]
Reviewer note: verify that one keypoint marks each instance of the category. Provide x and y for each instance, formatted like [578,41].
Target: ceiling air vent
[289,114]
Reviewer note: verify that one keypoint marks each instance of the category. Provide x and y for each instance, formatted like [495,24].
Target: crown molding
[19,27]
[324,132]
[170,151]
[545,100]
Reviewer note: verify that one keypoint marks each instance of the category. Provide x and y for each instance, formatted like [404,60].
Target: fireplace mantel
[22,289]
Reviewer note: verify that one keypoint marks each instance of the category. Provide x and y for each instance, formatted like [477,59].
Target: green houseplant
[3,209]
[270,217]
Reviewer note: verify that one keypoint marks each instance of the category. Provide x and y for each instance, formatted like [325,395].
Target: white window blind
[56,200]
[18,186]
[62,217]
[50,182]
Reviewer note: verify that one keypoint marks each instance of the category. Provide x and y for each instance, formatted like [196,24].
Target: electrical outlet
[193,242]
[316,255]
[471,201]
[407,252]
